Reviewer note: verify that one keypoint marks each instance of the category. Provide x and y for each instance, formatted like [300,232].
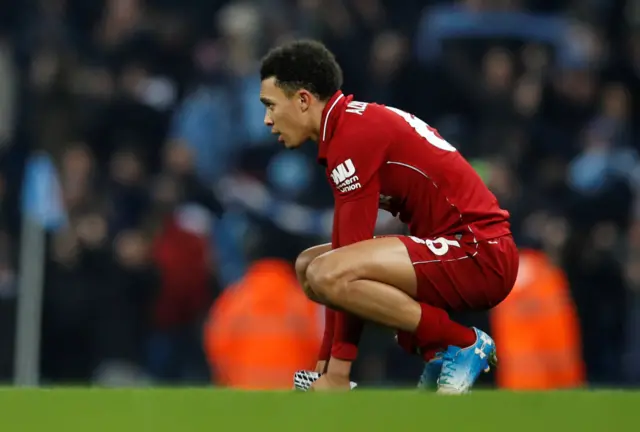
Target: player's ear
[304,99]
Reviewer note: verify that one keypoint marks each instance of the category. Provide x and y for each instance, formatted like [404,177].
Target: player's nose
[267,120]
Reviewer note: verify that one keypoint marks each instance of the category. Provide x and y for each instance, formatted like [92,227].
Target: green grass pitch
[176,410]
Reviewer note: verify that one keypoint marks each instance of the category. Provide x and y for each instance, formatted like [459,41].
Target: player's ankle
[460,336]
[428,332]
[428,354]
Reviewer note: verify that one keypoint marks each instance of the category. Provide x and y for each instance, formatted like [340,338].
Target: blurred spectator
[8,291]
[8,84]
[263,329]
[538,331]
[632,273]
[126,307]
[126,192]
[181,252]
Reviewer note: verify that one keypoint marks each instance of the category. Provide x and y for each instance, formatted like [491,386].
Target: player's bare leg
[375,280]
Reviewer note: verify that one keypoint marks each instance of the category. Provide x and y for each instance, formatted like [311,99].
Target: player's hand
[328,382]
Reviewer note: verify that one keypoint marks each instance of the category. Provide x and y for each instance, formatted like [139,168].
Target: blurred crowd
[171,189]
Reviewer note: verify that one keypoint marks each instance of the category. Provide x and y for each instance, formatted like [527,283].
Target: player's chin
[291,144]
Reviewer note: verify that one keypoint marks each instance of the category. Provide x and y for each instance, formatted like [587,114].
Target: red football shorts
[458,276]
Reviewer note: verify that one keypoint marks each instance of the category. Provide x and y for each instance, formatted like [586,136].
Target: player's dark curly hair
[303,64]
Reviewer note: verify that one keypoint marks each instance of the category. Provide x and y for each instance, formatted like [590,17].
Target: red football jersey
[371,150]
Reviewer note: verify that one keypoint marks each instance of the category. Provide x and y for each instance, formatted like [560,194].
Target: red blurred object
[182,258]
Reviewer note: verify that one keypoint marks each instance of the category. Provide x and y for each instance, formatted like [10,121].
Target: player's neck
[316,122]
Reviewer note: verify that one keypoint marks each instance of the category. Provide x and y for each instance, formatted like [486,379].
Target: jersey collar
[330,115]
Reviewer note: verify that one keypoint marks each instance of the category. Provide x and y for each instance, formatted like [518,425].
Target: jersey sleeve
[355,176]
[327,338]
[354,171]
[329,314]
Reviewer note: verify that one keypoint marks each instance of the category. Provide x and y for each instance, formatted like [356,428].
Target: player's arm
[327,339]
[358,219]
[354,221]
[329,317]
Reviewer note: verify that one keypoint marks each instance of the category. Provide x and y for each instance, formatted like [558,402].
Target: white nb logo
[343,171]
[344,176]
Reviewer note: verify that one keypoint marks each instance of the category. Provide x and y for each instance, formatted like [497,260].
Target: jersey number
[439,246]
[424,130]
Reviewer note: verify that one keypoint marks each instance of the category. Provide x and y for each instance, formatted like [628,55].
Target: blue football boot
[461,367]
[431,372]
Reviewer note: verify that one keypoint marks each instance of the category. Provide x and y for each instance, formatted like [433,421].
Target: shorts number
[424,130]
[439,246]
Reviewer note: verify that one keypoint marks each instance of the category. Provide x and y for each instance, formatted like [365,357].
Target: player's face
[287,116]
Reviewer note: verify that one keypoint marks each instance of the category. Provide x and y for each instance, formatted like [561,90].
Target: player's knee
[327,280]
[302,262]
[310,293]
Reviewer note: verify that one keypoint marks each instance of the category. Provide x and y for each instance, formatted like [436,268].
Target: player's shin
[378,302]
